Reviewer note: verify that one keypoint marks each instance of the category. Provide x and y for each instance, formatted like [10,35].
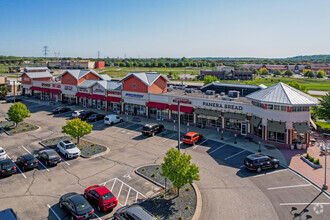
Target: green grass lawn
[323,124]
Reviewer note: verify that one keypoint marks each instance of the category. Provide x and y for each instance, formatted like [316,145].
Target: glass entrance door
[84,102]
[159,115]
[243,128]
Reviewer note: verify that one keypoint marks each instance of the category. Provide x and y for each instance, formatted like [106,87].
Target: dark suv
[260,162]
[7,167]
[151,129]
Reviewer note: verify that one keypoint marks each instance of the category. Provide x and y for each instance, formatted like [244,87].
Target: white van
[112,119]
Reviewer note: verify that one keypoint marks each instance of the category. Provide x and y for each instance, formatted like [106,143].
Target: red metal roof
[185,109]
[157,105]
[98,97]
[112,99]
[82,95]
[55,91]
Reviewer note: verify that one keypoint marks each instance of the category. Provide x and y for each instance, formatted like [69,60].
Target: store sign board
[58,86]
[68,87]
[133,95]
[114,93]
[83,90]
[186,101]
[222,105]
[45,85]
[98,90]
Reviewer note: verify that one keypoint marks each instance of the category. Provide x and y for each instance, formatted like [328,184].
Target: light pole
[326,147]
[259,150]
[221,134]
[235,135]
[179,121]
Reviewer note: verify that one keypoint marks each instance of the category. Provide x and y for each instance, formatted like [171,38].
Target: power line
[45,51]
[98,54]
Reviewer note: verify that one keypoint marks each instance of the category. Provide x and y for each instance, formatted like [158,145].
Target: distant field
[323,124]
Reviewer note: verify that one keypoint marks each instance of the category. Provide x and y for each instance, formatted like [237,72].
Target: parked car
[27,162]
[11,99]
[101,196]
[61,110]
[192,138]
[95,117]
[49,157]
[152,129]
[68,149]
[7,167]
[260,162]
[84,115]
[76,113]
[112,119]
[3,154]
[77,206]
[8,214]
[134,212]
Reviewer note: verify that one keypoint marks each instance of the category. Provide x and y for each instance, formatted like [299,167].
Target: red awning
[112,99]
[157,105]
[55,91]
[98,97]
[34,88]
[44,89]
[185,109]
[82,95]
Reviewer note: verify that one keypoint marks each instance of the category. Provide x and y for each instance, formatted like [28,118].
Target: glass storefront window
[276,137]
[233,124]
[298,138]
[158,113]
[209,121]
[135,109]
[257,132]
[185,117]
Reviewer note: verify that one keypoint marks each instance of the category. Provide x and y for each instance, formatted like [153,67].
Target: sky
[165,28]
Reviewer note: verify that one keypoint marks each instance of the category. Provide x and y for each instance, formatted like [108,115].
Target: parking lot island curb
[24,132]
[199,205]
[140,174]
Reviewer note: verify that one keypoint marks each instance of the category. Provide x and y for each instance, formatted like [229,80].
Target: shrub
[33,127]
[88,153]
[187,207]
[157,217]
[81,148]
[317,162]
[162,196]
[308,156]
[24,129]
[47,141]
[15,132]
[95,151]
[188,189]
[1,121]
[311,159]
[153,201]
[7,125]
[55,139]
[93,144]
[27,125]
[157,168]
[143,169]
[100,148]
[180,218]
[153,175]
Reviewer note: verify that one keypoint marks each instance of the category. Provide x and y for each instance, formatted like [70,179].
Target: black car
[27,162]
[134,212]
[77,206]
[61,110]
[260,162]
[95,117]
[84,115]
[152,129]
[49,157]
[11,99]
[7,167]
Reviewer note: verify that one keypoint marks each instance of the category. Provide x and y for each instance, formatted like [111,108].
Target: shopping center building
[278,115]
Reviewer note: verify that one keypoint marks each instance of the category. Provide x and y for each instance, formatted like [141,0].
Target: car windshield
[107,196]
[146,128]
[7,165]
[70,146]
[1,151]
[81,206]
[187,137]
[52,155]
[248,160]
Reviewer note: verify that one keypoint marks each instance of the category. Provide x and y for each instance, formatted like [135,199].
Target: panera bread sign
[222,106]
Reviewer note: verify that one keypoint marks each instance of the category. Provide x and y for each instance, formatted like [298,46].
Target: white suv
[68,149]
[112,119]
[3,154]
[76,113]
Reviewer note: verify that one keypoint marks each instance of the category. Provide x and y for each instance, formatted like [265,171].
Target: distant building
[71,64]
[3,81]
[227,75]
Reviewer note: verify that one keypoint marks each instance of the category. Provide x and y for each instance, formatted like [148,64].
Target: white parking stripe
[113,184]
[306,203]
[53,212]
[127,195]
[137,195]
[139,128]
[277,171]
[120,190]
[285,187]
[218,148]
[127,127]
[235,155]
[17,167]
[166,139]
[65,161]
[242,166]
[38,161]
[200,143]
[97,216]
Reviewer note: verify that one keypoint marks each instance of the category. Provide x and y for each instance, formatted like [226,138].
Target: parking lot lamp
[179,121]
[235,135]
[326,147]
[221,134]
[259,150]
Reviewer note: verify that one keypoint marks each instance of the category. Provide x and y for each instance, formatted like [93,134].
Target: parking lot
[229,191]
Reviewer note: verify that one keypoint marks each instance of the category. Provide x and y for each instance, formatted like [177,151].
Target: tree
[298,86]
[288,73]
[3,91]
[209,79]
[174,64]
[77,128]
[17,113]
[255,71]
[195,64]
[181,64]
[264,71]
[161,64]
[277,72]
[320,74]
[178,169]
[122,64]
[323,110]
[310,74]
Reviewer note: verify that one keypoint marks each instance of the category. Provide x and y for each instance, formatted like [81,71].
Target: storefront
[82,98]
[207,118]
[186,114]
[69,94]
[135,103]
[97,101]
[157,110]
[113,104]
[301,134]
[256,126]
[276,131]
[235,122]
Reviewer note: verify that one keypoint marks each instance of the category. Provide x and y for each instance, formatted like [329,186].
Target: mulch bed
[87,148]
[22,127]
[169,205]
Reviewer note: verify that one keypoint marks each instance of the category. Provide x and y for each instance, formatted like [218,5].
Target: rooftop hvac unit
[233,93]
[227,99]
[210,92]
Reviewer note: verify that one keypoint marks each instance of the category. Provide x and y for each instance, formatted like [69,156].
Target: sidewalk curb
[304,177]
[147,178]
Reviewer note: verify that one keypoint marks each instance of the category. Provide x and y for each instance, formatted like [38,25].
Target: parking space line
[242,166]
[139,128]
[277,171]
[166,139]
[285,187]
[127,127]
[200,143]
[113,184]
[65,161]
[53,212]
[38,160]
[120,189]
[218,148]
[306,203]
[137,195]
[17,166]
[235,154]
[97,216]
[127,195]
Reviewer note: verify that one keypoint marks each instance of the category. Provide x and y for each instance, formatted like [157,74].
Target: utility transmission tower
[98,54]
[45,51]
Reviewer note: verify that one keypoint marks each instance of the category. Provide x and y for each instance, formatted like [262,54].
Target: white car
[76,113]
[112,119]
[68,149]
[3,154]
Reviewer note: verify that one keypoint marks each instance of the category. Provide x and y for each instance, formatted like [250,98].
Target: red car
[192,138]
[102,197]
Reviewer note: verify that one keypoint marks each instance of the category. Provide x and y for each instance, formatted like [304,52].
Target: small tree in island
[178,169]
[77,128]
[17,113]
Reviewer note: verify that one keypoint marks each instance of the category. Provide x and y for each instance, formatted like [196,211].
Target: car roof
[256,156]
[28,157]
[67,142]
[191,133]
[5,161]
[139,212]
[101,190]
[150,124]
[77,198]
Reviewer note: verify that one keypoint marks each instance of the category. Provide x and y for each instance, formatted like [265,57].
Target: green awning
[276,126]
[301,127]
[255,121]
[207,112]
[235,116]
